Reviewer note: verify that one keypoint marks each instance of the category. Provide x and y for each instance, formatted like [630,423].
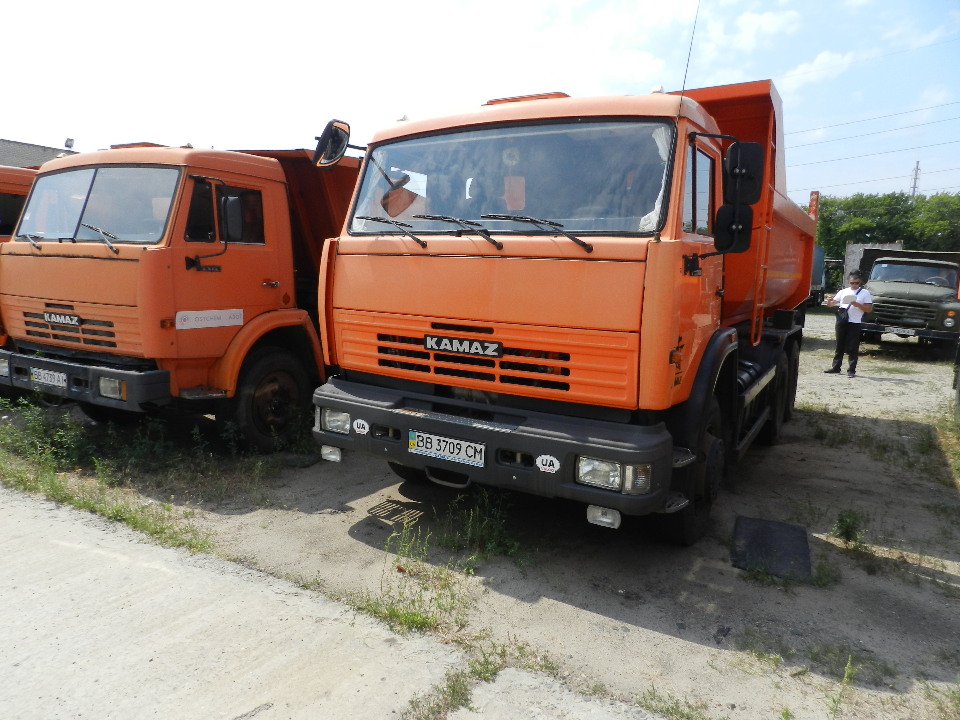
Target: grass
[135,474]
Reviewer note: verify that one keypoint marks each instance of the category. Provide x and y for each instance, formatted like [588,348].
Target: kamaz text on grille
[62,319]
[464,346]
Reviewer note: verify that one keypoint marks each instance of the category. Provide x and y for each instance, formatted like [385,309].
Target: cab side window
[698,193]
[202,221]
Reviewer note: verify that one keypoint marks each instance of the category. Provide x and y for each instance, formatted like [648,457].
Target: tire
[793,372]
[409,474]
[770,432]
[270,405]
[701,483]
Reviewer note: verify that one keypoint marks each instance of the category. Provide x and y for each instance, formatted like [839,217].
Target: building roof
[19,154]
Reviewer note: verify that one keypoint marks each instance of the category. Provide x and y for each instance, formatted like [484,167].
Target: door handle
[271,283]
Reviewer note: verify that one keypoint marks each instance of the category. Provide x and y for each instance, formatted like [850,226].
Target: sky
[870,88]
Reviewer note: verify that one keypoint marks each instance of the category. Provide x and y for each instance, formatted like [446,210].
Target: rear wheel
[270,406]
[770,433]
[793,371]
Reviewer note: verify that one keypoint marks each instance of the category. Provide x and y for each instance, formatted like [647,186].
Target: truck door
[702,293]
[223,282]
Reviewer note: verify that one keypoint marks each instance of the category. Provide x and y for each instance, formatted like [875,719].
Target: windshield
[124,204]
[599,177]
[903,272]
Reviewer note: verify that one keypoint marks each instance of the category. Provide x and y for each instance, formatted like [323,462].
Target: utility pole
[916,180]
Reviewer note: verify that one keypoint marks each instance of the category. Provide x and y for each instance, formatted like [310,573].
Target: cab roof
[216,160]
[555,106]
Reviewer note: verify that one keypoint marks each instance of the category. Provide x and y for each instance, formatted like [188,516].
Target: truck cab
[914,297]
[581,298]
[149,278]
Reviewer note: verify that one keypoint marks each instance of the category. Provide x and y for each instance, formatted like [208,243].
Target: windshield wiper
[542,224]
[466,225]
[105,236]
[402,226]
[32,239]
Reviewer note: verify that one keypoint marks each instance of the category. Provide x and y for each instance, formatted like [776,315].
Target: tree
[921,223]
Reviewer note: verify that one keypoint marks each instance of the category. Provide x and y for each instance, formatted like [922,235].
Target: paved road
[96,622]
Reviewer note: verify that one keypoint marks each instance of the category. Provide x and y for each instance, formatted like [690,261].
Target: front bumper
[894,329]
[525,451]
[81,383]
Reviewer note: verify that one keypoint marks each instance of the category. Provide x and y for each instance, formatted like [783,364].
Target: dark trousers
[848,342]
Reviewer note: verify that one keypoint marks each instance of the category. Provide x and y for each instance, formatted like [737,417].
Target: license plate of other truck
[900,331]
[461,451]
[48,377]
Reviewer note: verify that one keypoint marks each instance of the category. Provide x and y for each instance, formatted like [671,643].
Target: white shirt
[854,314]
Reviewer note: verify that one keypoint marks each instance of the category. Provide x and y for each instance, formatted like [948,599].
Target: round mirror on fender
[332,144]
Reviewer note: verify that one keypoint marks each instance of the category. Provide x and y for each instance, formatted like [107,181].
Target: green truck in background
[915,294]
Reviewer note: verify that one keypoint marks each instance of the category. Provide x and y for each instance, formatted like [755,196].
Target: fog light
[603,516]
[638,479]
[949,322]
[333,454]
[113,388]
[336,421]
[599,473]
[4,367]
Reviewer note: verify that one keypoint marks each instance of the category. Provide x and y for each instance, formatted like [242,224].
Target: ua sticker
[360,427]
[548,464]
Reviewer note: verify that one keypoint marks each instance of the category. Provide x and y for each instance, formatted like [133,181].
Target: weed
[836,662]
[825,573]
[477,524]
[849,527]
[454,693]
[671,707]
[414,595]
[834,702]
[946,701]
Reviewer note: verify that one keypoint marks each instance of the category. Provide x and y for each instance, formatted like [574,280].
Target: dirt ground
[621,613]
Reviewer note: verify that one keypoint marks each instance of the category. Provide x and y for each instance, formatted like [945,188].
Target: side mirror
[743,173]
[732,229]
[332,144]
[231,209]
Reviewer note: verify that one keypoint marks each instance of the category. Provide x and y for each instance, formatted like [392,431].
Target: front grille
[568,364]
[89,332]
[900,312]
[504,370]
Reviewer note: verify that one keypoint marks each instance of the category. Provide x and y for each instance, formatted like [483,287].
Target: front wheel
[701,483]
[270,406]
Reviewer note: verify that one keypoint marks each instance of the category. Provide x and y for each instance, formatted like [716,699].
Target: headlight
[599,473]
[112,388]
[5,367]
[336,421]
[949,322]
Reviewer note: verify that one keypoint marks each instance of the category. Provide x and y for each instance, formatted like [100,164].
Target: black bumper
[79,382]
[525,451]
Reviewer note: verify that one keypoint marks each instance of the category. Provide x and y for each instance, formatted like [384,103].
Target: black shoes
[832,370]
[851,373]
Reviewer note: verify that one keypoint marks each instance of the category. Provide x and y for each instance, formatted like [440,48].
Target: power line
[878,117]
[876,132]
[885,152]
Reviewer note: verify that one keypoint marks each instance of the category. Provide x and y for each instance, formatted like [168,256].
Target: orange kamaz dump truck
[14,185]
[592,299]
[142,279]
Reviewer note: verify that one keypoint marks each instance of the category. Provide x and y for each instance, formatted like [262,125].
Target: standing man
[854,301]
